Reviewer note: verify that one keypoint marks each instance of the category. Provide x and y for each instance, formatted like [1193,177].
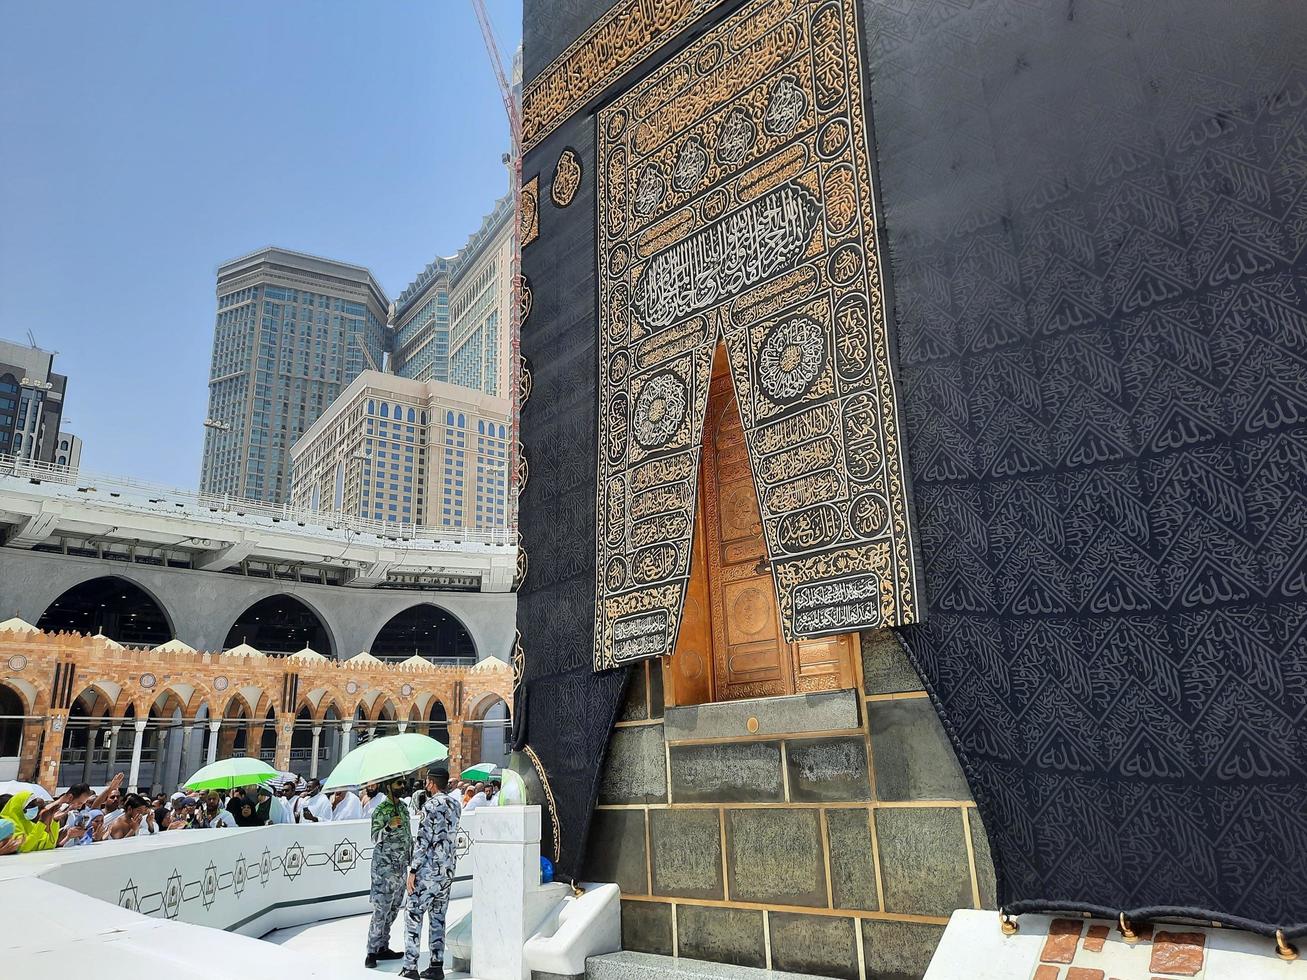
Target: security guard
[392,849]
[430,874]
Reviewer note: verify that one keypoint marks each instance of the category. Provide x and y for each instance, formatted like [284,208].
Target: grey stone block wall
[819,944]
[722,935]
[686,849]
[852,840]
[636,771]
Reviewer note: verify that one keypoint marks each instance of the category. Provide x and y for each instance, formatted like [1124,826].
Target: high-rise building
[451,323]
[31,402]
[480,292]
[404,451]
[292,331]
[420,322]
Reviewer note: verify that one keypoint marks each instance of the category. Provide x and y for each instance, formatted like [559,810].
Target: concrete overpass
[206,560]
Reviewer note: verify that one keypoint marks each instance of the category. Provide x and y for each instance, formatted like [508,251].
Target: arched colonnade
[76,708]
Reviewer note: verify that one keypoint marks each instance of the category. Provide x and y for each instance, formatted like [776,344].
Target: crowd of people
[81,815]
[413,826]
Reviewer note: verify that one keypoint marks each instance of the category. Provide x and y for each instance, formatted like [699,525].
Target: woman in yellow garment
[22,810]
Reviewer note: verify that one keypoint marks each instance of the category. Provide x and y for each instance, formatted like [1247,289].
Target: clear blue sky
[143,143]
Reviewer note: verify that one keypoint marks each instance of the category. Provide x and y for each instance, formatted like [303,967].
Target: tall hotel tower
[292,331]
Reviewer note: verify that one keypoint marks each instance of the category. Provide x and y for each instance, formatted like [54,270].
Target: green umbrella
[482,772]
[229,773]
[384,758]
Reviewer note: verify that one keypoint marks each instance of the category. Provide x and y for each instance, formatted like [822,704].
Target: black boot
[409,974]
[435,971]
[386,953]
[370,960]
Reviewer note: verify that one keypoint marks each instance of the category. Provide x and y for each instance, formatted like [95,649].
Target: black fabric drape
[1097,229]
[564,709]
[1097,221]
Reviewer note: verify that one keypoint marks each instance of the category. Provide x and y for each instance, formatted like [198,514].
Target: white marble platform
[343,941]
[974,948]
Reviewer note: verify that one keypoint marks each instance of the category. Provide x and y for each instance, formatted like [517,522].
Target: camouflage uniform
[433,871]
[392,849]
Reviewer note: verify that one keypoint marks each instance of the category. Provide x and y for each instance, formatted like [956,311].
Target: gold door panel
[731,644]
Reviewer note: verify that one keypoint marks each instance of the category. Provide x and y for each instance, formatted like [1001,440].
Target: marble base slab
[1064,948]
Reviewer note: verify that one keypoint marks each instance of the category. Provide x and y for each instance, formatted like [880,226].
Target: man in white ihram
[313,806]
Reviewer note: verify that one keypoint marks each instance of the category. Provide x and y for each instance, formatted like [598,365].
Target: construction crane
[515,302]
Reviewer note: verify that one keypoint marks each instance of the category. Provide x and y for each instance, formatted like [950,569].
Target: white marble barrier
[508,900]
[51,930]
[247,881]
[974,948]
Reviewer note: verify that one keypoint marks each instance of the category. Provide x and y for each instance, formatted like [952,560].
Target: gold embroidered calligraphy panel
[735,202]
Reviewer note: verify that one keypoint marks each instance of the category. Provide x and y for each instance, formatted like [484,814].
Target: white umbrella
[14,787]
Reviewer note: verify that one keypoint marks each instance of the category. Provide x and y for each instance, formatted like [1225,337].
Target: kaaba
[914,487]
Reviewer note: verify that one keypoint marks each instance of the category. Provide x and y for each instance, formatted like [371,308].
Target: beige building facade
[407,452]
[79,708]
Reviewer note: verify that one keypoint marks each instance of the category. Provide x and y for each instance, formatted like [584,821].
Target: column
[52,747]
[165,759]
[213,742]
[372,732]
[313,759]
[111,750]
[184,767]
[285,729]
[346,727]
[456,761]
[137,742]
[31,748]
[92,733]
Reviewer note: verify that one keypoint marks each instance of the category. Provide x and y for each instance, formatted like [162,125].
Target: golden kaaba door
[731,643]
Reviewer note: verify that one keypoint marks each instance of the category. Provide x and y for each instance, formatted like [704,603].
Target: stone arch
[167,701]
[477,703]
[15,706]
[280,624]
[237,700]
[301,735]
[426,629]
[165,714]
[33,697]
[383,709]
[200,694]
[237,715]
[436,717]
[483,734]
[329,702]
[135,616]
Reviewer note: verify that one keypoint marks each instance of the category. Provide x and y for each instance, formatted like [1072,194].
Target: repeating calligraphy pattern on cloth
[1101,294]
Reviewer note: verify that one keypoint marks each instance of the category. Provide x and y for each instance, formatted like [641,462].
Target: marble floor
[343,940]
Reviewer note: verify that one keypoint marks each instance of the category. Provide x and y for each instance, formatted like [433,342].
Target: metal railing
[140,495]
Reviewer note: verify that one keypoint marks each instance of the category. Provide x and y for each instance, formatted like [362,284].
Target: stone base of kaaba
[648,966]
[835,839]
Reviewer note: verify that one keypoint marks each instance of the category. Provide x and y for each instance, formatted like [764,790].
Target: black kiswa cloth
[1099,262]
[563,710]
